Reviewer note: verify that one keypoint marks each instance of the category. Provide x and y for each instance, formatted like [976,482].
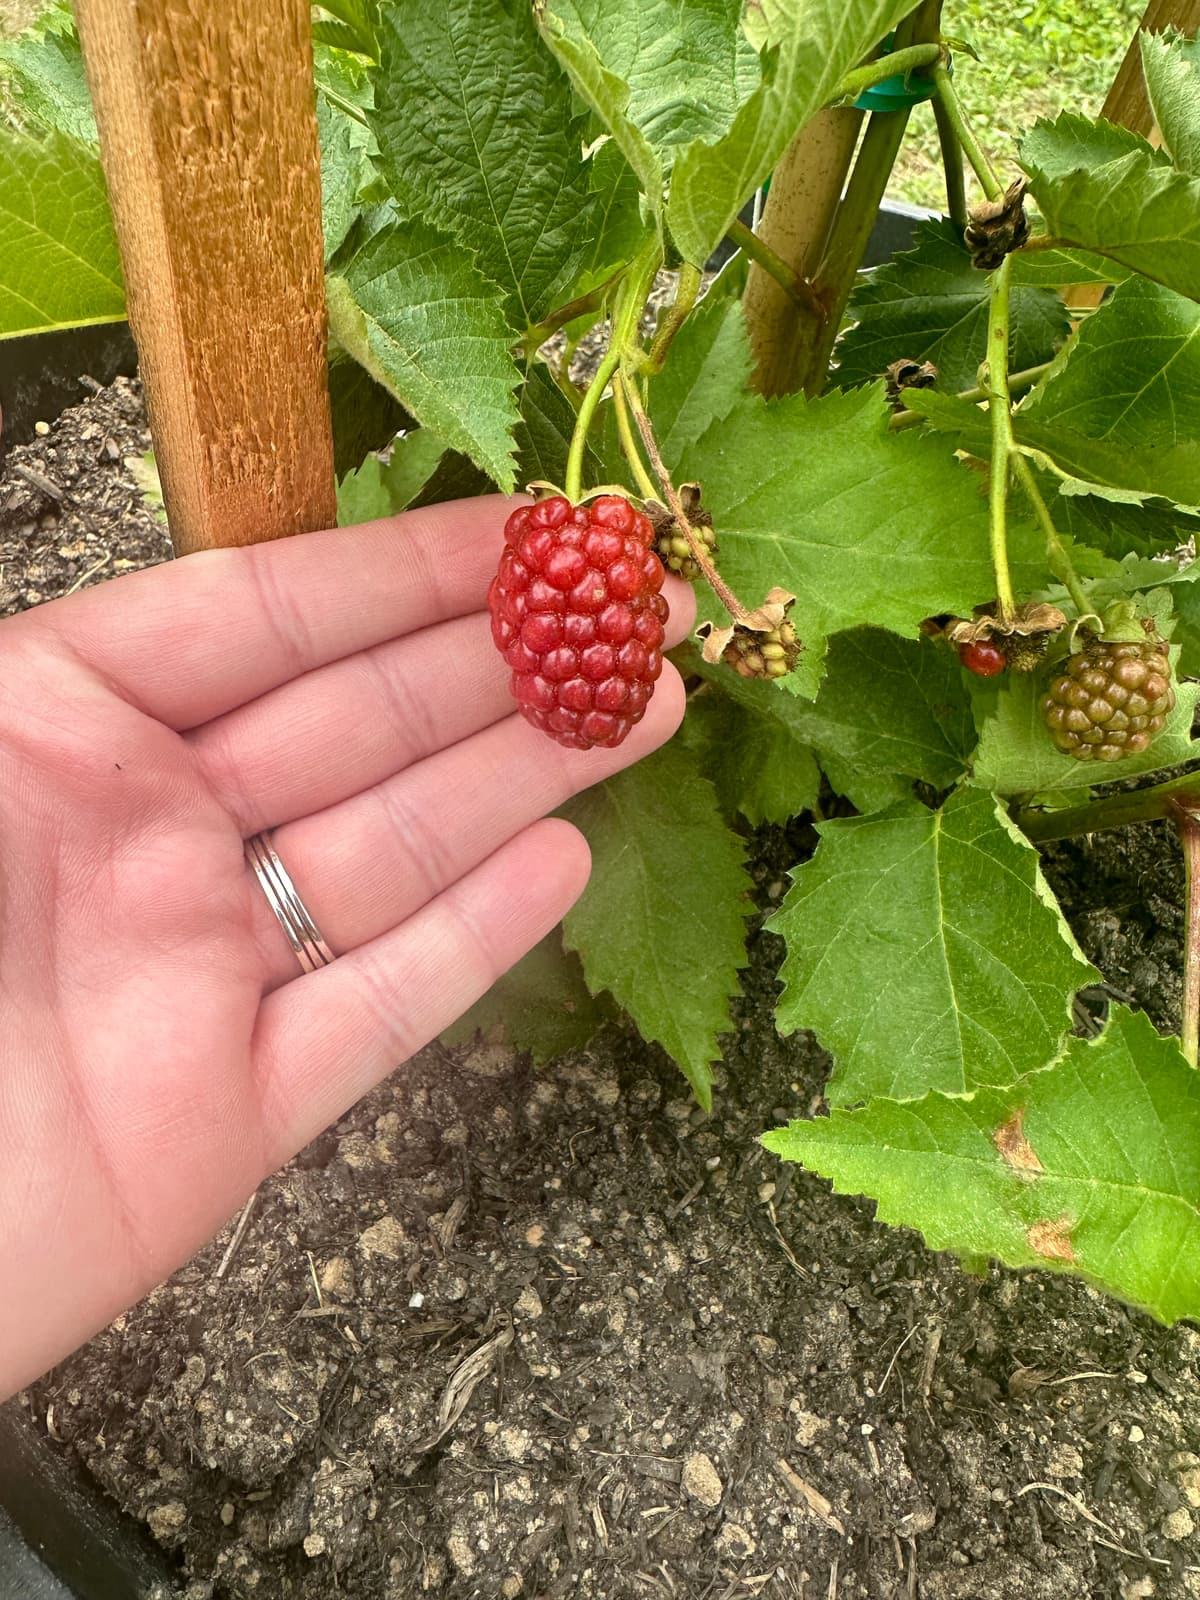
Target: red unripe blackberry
[1111,700]
[577,614]
[983,658]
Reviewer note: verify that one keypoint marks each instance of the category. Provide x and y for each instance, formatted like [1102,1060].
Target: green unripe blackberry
[1111,699]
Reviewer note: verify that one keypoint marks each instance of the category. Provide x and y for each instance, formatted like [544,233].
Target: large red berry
[577,614]
[984,659]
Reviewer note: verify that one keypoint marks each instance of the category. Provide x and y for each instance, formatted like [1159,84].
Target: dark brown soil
[506,1333]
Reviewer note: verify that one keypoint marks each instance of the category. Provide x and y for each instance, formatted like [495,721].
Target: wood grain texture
[209,142]
[1127,102]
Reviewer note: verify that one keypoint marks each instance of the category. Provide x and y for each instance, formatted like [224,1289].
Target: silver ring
[303,935]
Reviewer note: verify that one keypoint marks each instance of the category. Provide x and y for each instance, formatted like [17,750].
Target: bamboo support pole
[209,142]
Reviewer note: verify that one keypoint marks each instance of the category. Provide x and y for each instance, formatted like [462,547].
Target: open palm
[159,1050]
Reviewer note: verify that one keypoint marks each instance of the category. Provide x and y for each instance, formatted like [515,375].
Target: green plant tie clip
[899,92]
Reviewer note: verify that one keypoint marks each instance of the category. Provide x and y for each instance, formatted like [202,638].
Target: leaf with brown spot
[1015,1149]
[1052,1239]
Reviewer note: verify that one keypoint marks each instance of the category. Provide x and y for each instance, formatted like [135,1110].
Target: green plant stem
[1018,382]
[342,104]
[891,66]
[1000,413]
[537,335]
[797,288]
[573,484]
[1188,828]
[629,446]
[835,277]
[1113,811]
[1056,554]
[970,146]
[674,317]
[631,295]
[700,555]
[952,161]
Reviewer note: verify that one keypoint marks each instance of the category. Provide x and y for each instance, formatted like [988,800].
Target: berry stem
[674,318]
[1188,827]
[794,284]
[1113,811]
[629,446]
[537,335]
[952,161]
[1056,555]
[1000,412]
[956,119]
[700,555]
[1016,381]
[573,482]
[631,295]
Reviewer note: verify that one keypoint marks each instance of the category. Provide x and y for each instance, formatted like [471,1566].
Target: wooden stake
[209,143]
[1127,102]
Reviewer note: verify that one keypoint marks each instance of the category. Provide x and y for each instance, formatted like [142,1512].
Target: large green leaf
[1123,397]
[43,74]
[344,170]
[660,924]
[541,1005]
[476,127]
[1091,1167]
[59,265]
[684,65]
[926,952]
[760,767]
[862,524]
[1172,68]
[931,304]
[1102,188]
[808,46]
[413,309]
[708,367]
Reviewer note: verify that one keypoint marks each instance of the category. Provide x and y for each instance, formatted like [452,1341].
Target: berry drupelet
[577,615]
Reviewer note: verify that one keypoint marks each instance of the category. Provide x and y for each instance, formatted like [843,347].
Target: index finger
[196,637]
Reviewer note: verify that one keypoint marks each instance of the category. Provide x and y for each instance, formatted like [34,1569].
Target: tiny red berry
[577,615]
[984,659]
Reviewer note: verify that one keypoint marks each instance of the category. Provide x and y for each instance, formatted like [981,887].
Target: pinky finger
[322,1041]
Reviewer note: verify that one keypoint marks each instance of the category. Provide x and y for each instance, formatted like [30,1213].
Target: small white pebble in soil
[416,1301]
[701,1482]
[766,1191]
[166,1520]
[1178,1524]
[383,1238]
[528,1304]
[227,1514]
[535,1235]
[1135,1435]
[337,1279]
[1064,1461]
[512,1586]
[41,428]
[314,1545]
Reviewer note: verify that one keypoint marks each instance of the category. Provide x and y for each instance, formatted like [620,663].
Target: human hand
[160,1051]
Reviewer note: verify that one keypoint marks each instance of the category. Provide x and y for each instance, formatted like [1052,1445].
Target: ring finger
[369,862]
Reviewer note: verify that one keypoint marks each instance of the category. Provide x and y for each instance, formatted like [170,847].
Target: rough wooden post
[209,143]
[1127,102]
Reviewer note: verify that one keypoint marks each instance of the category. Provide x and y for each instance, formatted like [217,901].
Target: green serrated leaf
[867,792]
[926,952]
[889,706]
[759,767]
[359,20]
[685,64]
[59,265]
[1091,1167]
[1055,268]
[43,73]
[1102,188]
[618,228]
[543,435]
[661,923]
[541,1005]
[708,369]
[818,496]
[344,169]
[808,46]
[413,310]
[1172,67]
[1121,402]
[476,126]
[931,304]
[380,489]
